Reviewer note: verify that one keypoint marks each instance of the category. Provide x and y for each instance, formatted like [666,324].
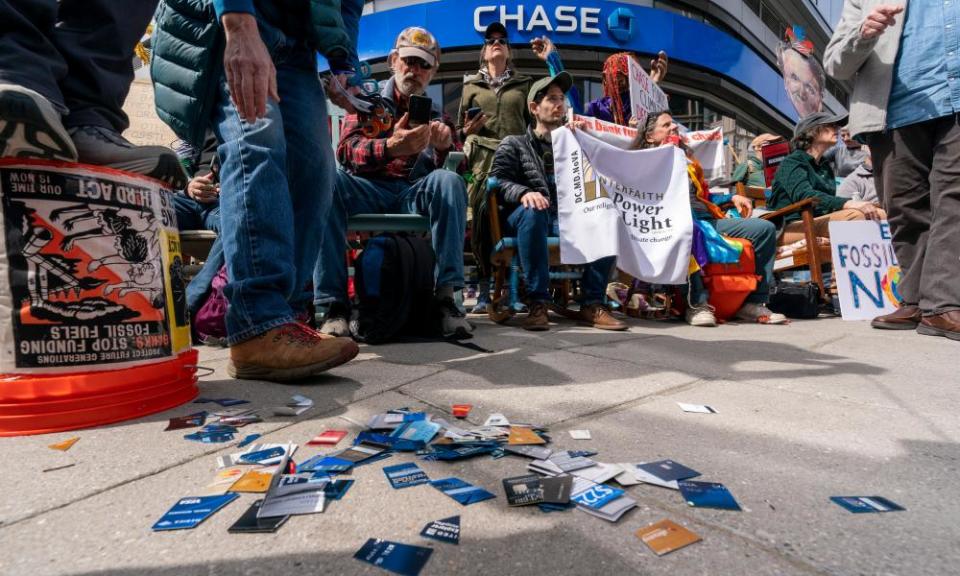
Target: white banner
[633,204]
[645,96]
[867,269]
[707,147]
[615,134]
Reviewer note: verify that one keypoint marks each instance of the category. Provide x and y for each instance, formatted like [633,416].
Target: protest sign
[707,147]
[93,273]
[633,204]
[645,95]
[866,267]
[609,132]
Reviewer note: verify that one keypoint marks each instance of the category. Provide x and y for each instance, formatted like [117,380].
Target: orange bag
[730,284]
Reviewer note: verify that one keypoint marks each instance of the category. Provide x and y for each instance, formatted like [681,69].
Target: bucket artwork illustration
[93,320]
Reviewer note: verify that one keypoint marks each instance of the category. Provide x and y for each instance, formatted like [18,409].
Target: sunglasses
[497,41]
[411,61]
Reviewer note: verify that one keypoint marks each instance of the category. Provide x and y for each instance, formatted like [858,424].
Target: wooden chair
[506,269]
[813,255]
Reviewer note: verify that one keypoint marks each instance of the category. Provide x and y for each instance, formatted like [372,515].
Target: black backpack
[394,284]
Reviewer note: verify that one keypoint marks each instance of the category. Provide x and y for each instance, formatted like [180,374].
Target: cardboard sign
[707,148]
[866,267]
[645,96]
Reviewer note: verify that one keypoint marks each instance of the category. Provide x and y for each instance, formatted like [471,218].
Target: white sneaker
[337,321]
[759,313]
[701,315]
[30,126]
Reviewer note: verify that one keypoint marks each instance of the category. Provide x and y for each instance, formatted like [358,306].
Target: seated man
[198,206]
[398,172]
[524,167]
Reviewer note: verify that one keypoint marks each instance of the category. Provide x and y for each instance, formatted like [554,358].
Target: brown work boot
[537,318]
[905,317]
[288,352]
[599,317]
[944,324]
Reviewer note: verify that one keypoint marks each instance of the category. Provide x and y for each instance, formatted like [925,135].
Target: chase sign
[587,24]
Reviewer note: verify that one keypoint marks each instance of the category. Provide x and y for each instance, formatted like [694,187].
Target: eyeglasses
[411,61]
[497,41]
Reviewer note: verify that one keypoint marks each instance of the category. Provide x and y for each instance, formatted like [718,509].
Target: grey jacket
[859,185]
[869,63]
[518,168]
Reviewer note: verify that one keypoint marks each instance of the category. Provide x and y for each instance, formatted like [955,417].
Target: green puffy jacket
[187,58]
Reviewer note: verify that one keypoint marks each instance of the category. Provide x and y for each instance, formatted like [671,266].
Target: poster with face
[803,76]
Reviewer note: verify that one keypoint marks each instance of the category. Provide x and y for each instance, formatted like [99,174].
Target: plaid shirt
[363,156]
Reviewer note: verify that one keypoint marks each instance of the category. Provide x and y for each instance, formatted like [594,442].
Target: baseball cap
[495,28]
[416,41]
[563,80]
[817,119]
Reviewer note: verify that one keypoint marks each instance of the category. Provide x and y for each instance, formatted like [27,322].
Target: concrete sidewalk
[806,411]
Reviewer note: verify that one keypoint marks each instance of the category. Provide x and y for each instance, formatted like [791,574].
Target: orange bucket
[93,321]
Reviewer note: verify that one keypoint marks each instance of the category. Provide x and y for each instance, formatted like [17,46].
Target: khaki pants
[821,225]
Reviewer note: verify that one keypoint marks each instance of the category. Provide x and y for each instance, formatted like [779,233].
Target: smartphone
[474,112]
[420,108]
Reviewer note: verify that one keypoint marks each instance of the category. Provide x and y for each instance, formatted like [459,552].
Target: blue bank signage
[459,24]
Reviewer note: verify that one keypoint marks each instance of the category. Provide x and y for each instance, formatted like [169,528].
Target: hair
[804,140]
[613,66]
[640,142]
[117,223]
[133,247]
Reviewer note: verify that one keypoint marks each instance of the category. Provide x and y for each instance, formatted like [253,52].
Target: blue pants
[531,227]
[441,195]
[276,182]
[75,53]
[763,235]
[194,215]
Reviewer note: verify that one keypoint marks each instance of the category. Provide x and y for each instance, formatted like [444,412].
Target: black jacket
[518,168]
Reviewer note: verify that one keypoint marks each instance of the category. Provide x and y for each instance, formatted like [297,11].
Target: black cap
[495,27]
[563,80]
[817,119]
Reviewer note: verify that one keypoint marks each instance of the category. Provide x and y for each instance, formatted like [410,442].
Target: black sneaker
[454,323]
[30,126]
[104,147]
[336,322]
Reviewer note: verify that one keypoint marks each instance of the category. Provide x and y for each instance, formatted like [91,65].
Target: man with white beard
[398,171]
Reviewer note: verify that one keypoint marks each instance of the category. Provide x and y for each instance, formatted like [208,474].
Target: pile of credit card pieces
[283,484]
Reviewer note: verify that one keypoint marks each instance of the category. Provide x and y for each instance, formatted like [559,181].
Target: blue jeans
[194,215]
[276,182]
[531,227]
[763,235]
[440,195]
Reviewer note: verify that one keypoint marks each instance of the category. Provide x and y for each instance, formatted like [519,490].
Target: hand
[633,122]
[474,126]
[335,86]
[251,75]
[659,66]
[440,136]
[743,205]
[406,141]
[535,201]
[542,47]
[870,211]
[203,189]
[575,125]
[881,18]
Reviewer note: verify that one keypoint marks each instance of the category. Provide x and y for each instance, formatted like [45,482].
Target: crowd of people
[266,181]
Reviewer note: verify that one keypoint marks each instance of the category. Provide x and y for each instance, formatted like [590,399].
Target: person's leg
[531,229]
[902,161]
[939,286]
[442,196]
[793,232]
[211,218]
[31,103]
[311,168]
[596,276]
[96,38]
[351,195]
[190,213]
[199,286]
[763,235]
